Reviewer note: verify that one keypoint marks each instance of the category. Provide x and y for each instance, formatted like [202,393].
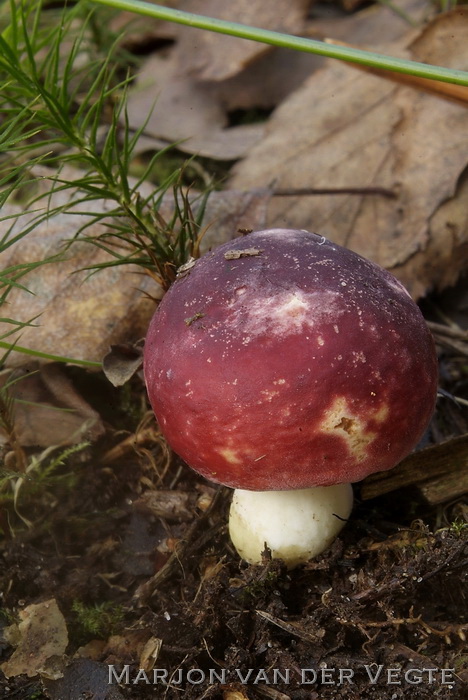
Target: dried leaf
[184,94]
[149,654]
[121,363]
[177,506]
[78,315]
[354,129]
[127,647]
[177,107]
[374,26]
[189,103]
[43,636]
[246,253]
[48,410]
[212,56]
[271,77]
[268,80]
[232,694]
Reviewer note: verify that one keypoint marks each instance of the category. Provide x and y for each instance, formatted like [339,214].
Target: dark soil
[389,596]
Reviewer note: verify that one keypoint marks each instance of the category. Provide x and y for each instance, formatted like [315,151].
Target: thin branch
[306,191]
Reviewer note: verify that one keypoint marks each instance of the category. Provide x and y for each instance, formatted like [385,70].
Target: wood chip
[445,488]
[446,461]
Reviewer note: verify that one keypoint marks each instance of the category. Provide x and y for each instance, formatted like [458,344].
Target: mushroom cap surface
[282,360]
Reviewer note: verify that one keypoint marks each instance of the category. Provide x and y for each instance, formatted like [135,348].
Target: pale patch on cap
[288,312]
[229,455]
[340,420]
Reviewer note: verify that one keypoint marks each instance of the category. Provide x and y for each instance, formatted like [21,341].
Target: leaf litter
[355,129]
[186,90]
[140,544]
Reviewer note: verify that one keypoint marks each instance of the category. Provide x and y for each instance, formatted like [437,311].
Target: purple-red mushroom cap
[282,361]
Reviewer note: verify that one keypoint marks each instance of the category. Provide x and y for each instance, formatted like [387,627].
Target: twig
[447,458]
[306,191]
[292,627]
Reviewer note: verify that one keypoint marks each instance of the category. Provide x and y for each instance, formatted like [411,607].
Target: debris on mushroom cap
[302,365]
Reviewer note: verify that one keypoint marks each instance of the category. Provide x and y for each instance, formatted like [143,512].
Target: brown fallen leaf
[42,634]
[196,113]
[77,315]
[344,128]
[176,506]
[184,93]
[268,80]
[47,409]
[212,56]
[179,102]
[375,25]
[149,654]
[121,362]
[182,104]
[174,107]
[177,106]
[233,694]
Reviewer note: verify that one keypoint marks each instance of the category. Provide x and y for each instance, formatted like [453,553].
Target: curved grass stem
[266,36]
[46,356]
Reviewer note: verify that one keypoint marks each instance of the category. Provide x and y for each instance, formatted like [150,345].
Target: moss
[98,620]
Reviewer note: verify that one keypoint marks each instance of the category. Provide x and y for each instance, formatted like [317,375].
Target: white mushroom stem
[294,525]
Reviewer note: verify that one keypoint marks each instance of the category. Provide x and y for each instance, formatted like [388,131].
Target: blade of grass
[449,90]
[266,36]
[46,356]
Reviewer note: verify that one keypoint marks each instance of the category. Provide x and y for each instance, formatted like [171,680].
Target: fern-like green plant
[8,428]
[35,477]
[24,479]
[62,104]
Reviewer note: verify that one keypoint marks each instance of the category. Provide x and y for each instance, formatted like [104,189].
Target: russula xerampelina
[281,362]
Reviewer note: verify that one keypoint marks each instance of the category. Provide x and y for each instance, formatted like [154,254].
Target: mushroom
[287,367]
